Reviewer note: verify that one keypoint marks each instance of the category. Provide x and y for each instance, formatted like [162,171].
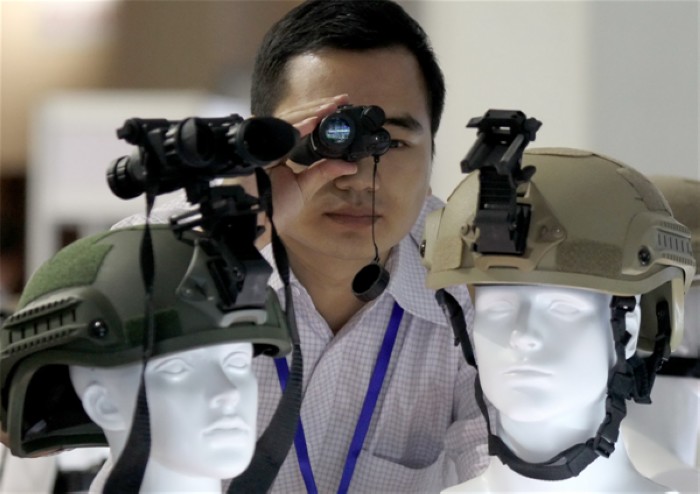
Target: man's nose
[363,179]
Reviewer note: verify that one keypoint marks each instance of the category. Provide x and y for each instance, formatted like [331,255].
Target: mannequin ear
[102,409]
[632,324]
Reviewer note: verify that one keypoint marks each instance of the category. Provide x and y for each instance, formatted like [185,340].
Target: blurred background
[618,77]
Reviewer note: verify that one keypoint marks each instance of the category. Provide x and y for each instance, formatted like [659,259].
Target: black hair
[355,25]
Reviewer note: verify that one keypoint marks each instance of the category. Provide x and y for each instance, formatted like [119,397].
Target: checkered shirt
[426,432]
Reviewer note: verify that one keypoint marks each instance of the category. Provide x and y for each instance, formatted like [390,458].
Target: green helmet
[683,195]
[86,307]
[595,224]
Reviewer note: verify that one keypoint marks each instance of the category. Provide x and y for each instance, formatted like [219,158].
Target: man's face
[336,220]
[204,407]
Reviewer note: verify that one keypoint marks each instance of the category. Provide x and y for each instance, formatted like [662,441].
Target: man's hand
[293,184]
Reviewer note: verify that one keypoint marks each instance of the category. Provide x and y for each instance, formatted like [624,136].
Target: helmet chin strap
[130,468]
[628,379]
[274,444]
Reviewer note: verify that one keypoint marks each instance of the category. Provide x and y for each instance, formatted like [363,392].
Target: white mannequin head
[544,353]
[548,357]
[202,404]
[544,350]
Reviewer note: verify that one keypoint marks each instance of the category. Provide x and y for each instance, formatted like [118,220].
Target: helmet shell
[86,306]
[595,224]
[683,195]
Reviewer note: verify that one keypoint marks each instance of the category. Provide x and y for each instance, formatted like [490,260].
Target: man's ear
[102,408]
[632,323]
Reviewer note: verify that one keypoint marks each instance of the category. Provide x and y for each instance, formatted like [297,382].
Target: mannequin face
[542,351]
[204,406]
[202,403]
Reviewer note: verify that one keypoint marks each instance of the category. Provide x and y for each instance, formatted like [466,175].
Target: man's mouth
[353,217]
[351,220]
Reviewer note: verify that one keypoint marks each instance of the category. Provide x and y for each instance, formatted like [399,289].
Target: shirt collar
[407,274]
[407,283]
[275,281]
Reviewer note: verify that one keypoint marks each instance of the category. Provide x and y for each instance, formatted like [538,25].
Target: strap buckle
[602,446]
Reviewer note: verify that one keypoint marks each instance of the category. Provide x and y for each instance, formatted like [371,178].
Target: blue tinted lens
[337,130]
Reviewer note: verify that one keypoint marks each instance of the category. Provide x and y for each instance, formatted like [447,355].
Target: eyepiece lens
[337,130]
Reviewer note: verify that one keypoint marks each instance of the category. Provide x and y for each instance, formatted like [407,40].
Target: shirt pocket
[381,476]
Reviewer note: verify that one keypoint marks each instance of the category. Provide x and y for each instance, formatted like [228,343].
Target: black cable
[374,194]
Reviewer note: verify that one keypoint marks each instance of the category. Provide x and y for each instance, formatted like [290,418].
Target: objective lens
[336,130]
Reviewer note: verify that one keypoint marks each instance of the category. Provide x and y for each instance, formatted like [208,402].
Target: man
[425,431]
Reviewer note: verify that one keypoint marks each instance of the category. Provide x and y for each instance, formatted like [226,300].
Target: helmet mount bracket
[497,153]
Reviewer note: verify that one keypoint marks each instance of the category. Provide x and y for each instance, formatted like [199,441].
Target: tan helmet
[595,224]
[683,195]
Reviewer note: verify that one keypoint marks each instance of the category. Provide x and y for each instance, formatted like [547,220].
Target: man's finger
[318,108]
[290,190]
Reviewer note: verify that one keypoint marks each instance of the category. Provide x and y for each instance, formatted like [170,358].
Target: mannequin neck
[158,478]
[538,441]
[613,474]
[541,440]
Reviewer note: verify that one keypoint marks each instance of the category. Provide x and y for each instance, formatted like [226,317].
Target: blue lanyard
[375,386]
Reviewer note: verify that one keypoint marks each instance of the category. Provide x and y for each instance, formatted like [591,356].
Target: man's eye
[397,144]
